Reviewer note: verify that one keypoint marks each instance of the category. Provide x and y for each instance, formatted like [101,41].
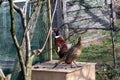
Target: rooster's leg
[56,64]
[68,66]
[76,64]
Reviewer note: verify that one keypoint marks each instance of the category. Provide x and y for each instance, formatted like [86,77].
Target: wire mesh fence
[7,47]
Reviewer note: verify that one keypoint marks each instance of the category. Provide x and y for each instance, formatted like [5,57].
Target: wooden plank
[47,66]
[44,71]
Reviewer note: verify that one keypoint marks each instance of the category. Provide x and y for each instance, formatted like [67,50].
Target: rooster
[72,54]
[60,44]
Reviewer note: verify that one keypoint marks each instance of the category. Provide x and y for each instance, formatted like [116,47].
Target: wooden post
[50,24]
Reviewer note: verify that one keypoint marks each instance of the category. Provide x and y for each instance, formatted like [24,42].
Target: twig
[37,52]
[41,49]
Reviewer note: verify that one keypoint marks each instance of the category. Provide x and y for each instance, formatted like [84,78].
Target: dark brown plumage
[72,54]
[60,44]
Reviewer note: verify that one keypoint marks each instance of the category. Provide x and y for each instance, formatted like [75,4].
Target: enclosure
[97,21]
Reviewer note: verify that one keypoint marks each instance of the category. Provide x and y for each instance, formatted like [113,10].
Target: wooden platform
[44,71]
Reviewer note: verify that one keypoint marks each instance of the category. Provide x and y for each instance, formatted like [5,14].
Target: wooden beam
[50,24]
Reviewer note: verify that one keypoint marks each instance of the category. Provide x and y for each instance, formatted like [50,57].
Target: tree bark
[25,55]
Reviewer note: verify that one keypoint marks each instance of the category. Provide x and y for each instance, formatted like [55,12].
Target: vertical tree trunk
[112,33]
[25,56]
[29,69]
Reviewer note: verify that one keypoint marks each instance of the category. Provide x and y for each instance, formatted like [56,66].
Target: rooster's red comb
[55,30]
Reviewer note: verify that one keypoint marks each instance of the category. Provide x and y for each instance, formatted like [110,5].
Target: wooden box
[44,71]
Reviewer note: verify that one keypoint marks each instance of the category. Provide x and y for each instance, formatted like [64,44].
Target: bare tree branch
[37,52]
[27,36]
[13,26]
[30,26]
[21,14]
[15,38]
[33,18]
